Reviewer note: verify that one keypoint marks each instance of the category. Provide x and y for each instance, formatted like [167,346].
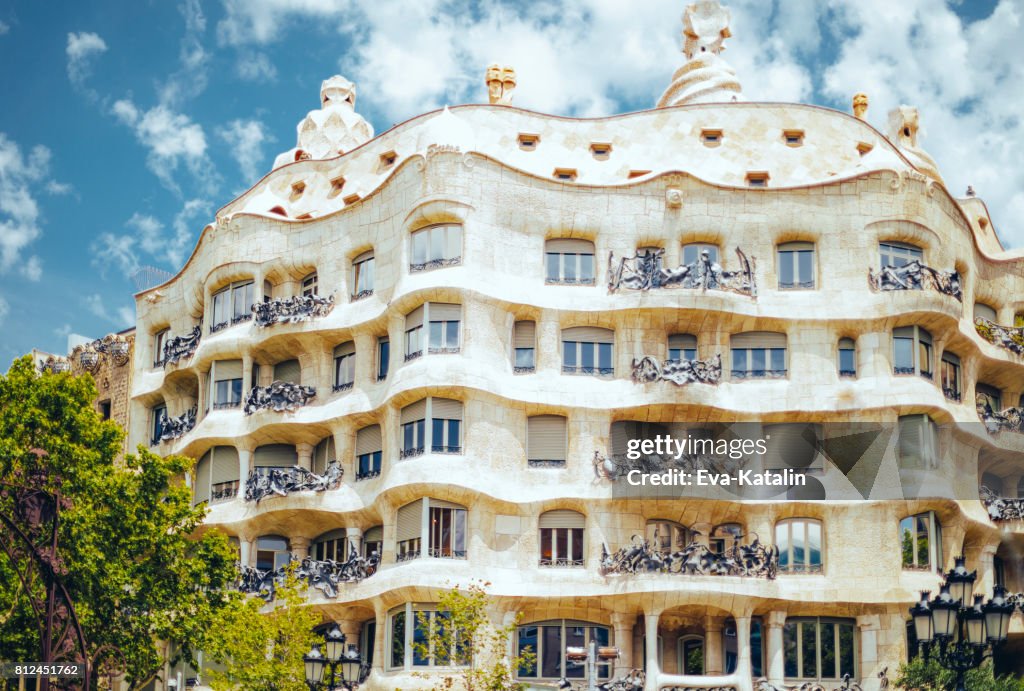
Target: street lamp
[337,656]
[961,635]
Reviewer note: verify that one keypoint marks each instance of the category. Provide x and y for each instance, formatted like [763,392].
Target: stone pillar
[714,662]
[244,468]
[201,397]
[355,540]
[379,642]
[366,359]
[651,644]
[548,344]
[743,667]
[868,626]
[351,629]
[247,551]
[622,624]
[776,662]
[247,382]
[299,546]
[305,453]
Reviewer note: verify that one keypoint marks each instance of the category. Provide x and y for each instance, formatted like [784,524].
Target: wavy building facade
[417,360]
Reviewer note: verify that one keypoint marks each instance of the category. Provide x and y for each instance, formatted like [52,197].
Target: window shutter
[984,311]
[363,257]
[201,490]
[847,344]
[951,357]
[289,371]
[446,409]
[445,311]
[227,369]
[796,246]
[924,336]
[368,440]
[322,454]
[903,332]
[759,339]
[562,518]
[331,535]
[588,334]
[414,411]
[621,434]
[688,341]
[910,446]
[414,318]
[570,246]
[225,464]
[442,504]
[346,348]
[275,456]
[546,438]
[524,334]
[410,518]
[375,534]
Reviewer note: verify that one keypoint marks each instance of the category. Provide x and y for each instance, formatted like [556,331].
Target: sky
[125,126]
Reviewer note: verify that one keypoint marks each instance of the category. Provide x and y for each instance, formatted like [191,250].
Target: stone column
[247,382]
[379,642]
[743,667]
[244,468]
[305,453]
[622,624]
[355,540]
[201,396]
[366,358]
[868,626]
[299,546]
[245,551]
[713,658]
[548,344]
[651,644]
[776,662]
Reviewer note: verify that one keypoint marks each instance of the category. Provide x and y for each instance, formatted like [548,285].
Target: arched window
[690,654]
[561,538]
[272,552]
[588,350]
[988,395]
[987,312]
[436,247]
[548,641]
[896,254]
[569,262]
[921,541]
[800,543]
[332,546]
[288,371]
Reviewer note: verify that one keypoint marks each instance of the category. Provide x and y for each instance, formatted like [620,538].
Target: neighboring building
[473,313]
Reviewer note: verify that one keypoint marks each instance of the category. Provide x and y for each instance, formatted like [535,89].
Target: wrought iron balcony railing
[545,462]
[180,347]
[225,405]
[444,350]
[695,559]
[325,575]
[1010,338]
[214,328]
[265,482]
[564,562]
[410,452]
[224,491]
[951,394]
[176,427]
[279,396]
[524,369]
[644,272]
[413,355]
[589,371]
[367,474]
[916,276]
[436,448]
[584,281]
[354,297]
[446,553]
[1001,508]
[679,372]
[434,264]
[1009,420]
[291,310]
[759,373]
[347,386]
[408,555]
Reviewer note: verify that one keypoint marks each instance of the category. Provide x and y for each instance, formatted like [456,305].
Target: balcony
[292,310]
[280,396]
[355,297]
[176,427]
[180,347]
[410,452]
[758,373]
[434,264]
[696,559]
[679,372]
[916,276]
[1010,338]
[347,386]
[1009,420]
[589,371]
[644,272]
[560,562]
[281,482]
[325,575]
[1001,508]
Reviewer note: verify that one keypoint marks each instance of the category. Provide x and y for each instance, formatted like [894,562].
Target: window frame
[769,358]
[410,623]
[363,273]
[579,350]
[281,557]
[160,339]
[787,562]
[446,257]
[797,250]
[819,622]
[383,357]
[954,392]
[696,248]
[933,535]
[518,368]
[893,250]
[157,413]
[345,365]
[921,343]
[578,264]
[604,669]
[309,286]
[230,292]
[681,660]
[846,345]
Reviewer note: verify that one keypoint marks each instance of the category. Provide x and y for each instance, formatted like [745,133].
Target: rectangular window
[796,265]
[444,336]
[159,341]
[414,342]
[159,415]
[694,251]
[897,254]
[447,533]
[800,545]
[413,438]
[758,363]
[682,347]
[344,371]
[383,357]
[232,305]
[912,351]
[818,649]
[847,358]
[569,262]
[362,276]
[436,247]
[368,465]
[990,396]
[561,547]
[950,373]
[309,285]
[921,542]
[583,357]
[227,393]
[548,643]
[445,435]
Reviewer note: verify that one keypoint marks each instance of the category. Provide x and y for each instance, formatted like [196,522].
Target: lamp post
[960,636]
[335,656]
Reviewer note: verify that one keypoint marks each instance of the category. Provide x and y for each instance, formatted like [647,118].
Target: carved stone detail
[904,123]
[326,576]
[1001,508]
[292,310]
[848,684]
[644,272]
[1009,420]
[705,77]
[284,481]
[181,347]
[1010,338]
[279,396]
[435,264]
[679,372]
[501,82]
[696,559]
[916,276]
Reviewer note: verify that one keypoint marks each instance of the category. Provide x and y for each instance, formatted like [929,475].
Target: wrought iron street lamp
[960,636]
[335,658]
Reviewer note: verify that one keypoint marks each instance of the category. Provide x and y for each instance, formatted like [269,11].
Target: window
[271,457]
[566,174]
[216,476]
[730,646]
[682,347]
[344,366]
[758,355]
[917,442]
[159,342]
[324,454]
[158,417]
[414,434]
[601,151]
[387,159]
[351,199]
[800,545]
[864,148]
[950,375]
[528,142]
[588,350]
[690,655]
[983,311]
[847,357]
[548,641]
[373,539]
[569,262]
[724,537]
[711,137]
[331,546]
[796,265]
[414,333]
[105,408]
[561,538]
[383,357]
[232,304]
[368,452]
[309,285]
[409,627]
[793,137]
[445,429]
[921,542]
[693,251]
[362,276]
[337,185]
[757,179]
[896,254]
[272,552]
[444,327]
[666,537]
[436,246]
[546,441]
[288,371]
[909,358]
[817,648]
[445,526]
[524,334]
[988,395]
[226,376]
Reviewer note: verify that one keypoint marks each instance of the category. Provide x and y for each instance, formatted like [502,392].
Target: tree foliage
[263,651]
[135,571]
[918,675]
[461,635]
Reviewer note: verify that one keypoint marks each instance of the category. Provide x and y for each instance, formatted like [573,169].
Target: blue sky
[124,126]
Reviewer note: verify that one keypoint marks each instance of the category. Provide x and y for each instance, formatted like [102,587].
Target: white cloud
[171,138]
[246,139]
[4,309]
[4,28]
[149,240]
[20,177]
[126,315]
[263,21]
[62,332]
[255,67]
[81,49]
[192,76]
[121,316]
[33,269]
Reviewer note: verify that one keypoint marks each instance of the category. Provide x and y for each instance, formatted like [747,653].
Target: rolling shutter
[322,454]
[566,245]
[682,341]
[289,371]
[622,432]
[796,246]
[445,311]
[275,456]
[524,334]
[225,465]
[375,534]
[588,334]
[951,357]
[368,440]
[545,440]
[346,348]
[903,332]
[410,521]
[445,409]
[759,339]
[227,369]
[201,490]
[984,311]
[442,504]
[562,518]
[414,411]
[363,257]
[847,344]
[414,318]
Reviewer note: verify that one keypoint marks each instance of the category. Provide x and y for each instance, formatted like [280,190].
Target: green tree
[263,651]
[136,573]
[460,635]
[918,675]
